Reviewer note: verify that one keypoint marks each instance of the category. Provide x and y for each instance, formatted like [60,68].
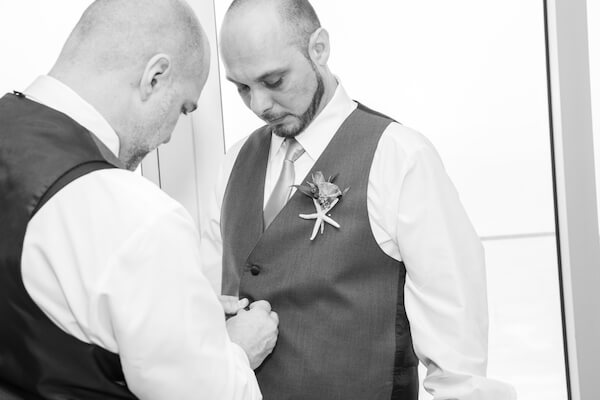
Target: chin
[288,131]
[167,140]
[134,158]
[133,163]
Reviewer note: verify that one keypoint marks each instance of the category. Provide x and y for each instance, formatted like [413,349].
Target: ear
[318,47]
[157,74]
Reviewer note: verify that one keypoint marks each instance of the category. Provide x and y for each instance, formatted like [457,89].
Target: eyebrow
[230,79]
[261,78]
[264,77]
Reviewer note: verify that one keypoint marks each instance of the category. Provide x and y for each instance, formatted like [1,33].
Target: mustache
[271,117]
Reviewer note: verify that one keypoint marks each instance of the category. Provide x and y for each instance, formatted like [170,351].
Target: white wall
[593,10]
[32,33]
[573,143]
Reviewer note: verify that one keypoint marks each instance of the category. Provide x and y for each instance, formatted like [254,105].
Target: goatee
[307,117]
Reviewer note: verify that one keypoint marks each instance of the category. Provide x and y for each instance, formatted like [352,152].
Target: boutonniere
[325,195]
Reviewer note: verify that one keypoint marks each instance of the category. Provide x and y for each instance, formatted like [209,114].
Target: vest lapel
[250,221]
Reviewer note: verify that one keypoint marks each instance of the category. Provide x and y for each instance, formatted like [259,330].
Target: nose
[260,102]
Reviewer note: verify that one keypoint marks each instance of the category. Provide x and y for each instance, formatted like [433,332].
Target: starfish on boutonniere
[325,195]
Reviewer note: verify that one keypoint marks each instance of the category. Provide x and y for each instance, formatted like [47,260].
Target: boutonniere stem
[321,217]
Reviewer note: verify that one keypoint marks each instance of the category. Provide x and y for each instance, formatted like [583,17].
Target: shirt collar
[315,138]
[53,93]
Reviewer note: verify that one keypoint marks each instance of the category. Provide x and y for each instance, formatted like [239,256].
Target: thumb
[232,305]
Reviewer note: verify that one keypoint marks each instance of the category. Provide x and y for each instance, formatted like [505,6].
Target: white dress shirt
[114,261]
[416,217]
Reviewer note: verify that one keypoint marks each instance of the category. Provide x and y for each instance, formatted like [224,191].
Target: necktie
[282,190]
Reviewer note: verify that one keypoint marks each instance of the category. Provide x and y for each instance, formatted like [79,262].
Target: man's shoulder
[403,139]
[254,139]
[120,194]
[396,136]
[234,150]
[134,189]
[362,108]
[105,209]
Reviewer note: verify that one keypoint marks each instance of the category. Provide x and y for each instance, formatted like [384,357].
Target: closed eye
[242,88]
[273,85]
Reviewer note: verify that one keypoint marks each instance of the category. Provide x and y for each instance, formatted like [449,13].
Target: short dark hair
[298,16]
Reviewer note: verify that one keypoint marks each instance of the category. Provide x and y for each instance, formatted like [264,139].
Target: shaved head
[141,64]
[120,34]
[275,52]
[297,16]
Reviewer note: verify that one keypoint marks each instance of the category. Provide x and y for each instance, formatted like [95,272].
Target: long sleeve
[417,217]
[210,225]
[129,279]
[171,334]
[210,229]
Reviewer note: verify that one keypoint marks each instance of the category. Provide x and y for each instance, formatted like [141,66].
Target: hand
[255,331]
[232,304]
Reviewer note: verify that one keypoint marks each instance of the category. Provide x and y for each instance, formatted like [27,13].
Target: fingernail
[243,303]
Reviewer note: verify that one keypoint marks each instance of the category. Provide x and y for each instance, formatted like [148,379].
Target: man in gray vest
[102,294]
[369,259]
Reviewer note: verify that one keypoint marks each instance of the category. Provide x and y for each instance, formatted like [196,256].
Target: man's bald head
[275,52]
[121,34]
[141,64]
[298,17]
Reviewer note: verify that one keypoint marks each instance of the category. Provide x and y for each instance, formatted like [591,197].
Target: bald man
[102,294]
[392,274]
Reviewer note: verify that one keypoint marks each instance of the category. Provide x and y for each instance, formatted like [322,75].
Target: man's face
[158,120]
[273,76]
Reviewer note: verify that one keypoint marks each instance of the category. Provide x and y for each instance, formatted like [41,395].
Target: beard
[135,159]
[132,154]
[146,135]
[305,118]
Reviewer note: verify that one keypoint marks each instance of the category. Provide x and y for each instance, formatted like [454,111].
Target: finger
[261,304]
[228,299]
[227,303]
[243,303]
[231,304]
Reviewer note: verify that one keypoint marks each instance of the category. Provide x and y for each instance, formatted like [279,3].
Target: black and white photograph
[299,200]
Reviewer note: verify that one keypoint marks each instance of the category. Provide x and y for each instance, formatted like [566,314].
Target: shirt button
[255,270]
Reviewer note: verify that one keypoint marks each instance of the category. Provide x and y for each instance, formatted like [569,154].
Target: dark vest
[343,332]
[42,150]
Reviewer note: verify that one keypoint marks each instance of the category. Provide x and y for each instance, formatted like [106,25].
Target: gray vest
[343,330]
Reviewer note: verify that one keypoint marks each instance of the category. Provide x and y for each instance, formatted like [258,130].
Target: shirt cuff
[240,353]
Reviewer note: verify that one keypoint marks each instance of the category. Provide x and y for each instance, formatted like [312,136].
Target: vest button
[255,270]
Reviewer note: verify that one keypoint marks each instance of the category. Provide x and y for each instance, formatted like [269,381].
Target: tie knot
[294,150]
